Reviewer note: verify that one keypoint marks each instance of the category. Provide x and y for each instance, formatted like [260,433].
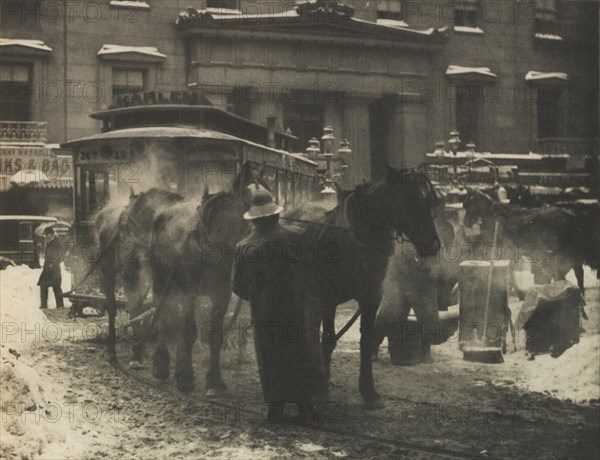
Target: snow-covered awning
[33,44]
[150,51]
[457,70]
[534,75]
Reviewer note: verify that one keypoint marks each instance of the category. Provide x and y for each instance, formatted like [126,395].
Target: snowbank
[22,321]
[574,375]
[29,423]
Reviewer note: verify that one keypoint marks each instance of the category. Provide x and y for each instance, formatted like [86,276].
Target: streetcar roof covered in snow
[176,132]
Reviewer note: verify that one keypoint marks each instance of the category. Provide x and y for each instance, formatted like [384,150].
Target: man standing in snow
[51,276]
[270,272]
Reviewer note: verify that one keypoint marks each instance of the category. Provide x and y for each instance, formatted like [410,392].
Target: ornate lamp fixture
[454,142]
[314,148]
[439,149]
[327,140]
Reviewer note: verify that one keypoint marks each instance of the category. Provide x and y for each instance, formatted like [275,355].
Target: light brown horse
[123,236]
[191,255]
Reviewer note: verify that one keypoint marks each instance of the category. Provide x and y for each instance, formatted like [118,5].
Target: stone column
[355,112]
[406,140]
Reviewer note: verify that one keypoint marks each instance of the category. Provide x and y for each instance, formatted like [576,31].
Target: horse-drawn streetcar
[190,150]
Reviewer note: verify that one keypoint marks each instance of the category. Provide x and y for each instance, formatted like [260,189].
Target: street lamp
[327,140]
[454,142]
[471,149]
[344,152]
[314,148]
[439,149]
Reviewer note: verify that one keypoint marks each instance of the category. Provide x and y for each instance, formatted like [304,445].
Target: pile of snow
[29,424]
[574,375]
[21,319]
[20,315]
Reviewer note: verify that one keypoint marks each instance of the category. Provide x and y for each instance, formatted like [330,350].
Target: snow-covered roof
[130,4]
[534,75]
[391,23]
[120,49]
[35,44]
[468,30]
[461,70]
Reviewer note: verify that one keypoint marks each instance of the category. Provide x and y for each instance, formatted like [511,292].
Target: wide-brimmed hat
[263,205]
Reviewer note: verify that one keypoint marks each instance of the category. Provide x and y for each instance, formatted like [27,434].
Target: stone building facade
[393,77]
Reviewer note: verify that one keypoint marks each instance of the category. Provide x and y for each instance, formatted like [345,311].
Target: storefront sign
[15,159]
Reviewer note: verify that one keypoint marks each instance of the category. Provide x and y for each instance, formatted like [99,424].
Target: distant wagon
[188,149]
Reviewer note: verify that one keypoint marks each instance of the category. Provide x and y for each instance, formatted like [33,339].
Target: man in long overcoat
[270,271]
[51,276]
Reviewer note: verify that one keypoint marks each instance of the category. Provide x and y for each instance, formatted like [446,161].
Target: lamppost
[454,142]
[323,154]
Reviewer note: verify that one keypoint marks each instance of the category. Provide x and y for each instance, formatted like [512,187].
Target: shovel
[481,353]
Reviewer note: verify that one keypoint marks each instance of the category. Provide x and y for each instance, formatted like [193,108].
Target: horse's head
[477,205]
[221,218]
[410,202]
[143,207]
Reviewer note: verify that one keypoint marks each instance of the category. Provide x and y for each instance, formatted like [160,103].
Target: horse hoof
[185,383]
[374,404]
[135,365]
[160,364]
[216,392]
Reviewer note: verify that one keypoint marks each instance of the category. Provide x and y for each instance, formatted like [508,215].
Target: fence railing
[570,145]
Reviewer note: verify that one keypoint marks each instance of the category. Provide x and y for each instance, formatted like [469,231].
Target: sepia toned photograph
[281,229]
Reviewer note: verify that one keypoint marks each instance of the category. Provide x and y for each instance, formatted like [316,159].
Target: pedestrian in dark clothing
[51,276]
[270,271]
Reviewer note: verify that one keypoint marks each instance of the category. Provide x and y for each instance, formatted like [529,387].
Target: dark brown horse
[546,235]
[123,236]
[191,255]
[351,248]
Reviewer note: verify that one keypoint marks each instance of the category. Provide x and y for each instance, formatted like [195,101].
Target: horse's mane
[209,206]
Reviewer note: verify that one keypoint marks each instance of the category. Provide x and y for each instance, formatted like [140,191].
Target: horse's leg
[578,269]
[162,301]
[328,344]
[136,294]
[184,371]
[219,299]
[366,385]
[107,285]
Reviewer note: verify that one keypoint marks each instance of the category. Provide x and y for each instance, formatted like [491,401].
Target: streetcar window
[26,231]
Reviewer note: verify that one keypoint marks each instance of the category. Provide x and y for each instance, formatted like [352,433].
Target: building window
[465,14]
[127,82]
[550,112]
[389,9]
[16,89]
[305,122]
[545,17]
[468,112]
[222,4]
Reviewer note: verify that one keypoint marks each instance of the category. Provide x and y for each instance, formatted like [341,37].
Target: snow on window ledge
[129,4]
[468,30]
[548,37]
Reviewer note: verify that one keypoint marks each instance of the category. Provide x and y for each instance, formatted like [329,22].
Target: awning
[534,75]
[457,70]
[34,44]
[108,50]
